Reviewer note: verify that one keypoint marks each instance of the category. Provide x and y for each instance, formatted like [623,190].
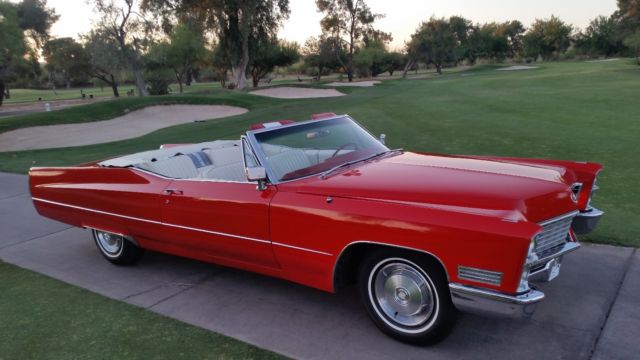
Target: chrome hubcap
[110,243]
[403,294]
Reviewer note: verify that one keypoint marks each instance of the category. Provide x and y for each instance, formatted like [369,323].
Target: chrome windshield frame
[257,149]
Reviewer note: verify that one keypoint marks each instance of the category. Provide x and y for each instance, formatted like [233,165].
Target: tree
[235,22]
[434,43]
[602,37]
[28,19]
[347,21]
[180,52]
[129,29]
[67,58]
[547,38]
[630,10]
[465,33]
[319,53]
[393,61]
[267,53]
[105,60]
[220,64]
[633,43]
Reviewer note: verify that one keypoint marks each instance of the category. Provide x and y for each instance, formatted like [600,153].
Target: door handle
[173,192]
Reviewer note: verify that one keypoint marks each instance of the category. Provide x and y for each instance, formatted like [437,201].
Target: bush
[158,82]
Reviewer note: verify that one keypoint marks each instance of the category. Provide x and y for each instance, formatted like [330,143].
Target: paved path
[131,125]
[591,311]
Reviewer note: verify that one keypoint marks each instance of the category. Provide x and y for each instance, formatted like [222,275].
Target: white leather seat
[288,161]
[229,172]
[179,167]
[225,156]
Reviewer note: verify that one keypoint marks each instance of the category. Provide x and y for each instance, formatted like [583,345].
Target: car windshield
[315,147]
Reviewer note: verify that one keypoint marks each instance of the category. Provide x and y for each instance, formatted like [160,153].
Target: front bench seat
[288,161]
[229,172]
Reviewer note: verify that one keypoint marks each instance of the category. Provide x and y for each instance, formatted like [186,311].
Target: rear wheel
[116,248]
[407,296]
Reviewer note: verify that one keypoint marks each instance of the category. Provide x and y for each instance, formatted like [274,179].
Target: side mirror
[259,174]
[383,139]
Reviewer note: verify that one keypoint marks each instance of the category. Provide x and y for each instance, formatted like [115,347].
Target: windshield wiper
[349,163]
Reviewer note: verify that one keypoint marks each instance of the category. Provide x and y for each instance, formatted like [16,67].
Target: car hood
[485,187]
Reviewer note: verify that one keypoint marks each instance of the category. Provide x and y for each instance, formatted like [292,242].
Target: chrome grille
[483,276]
[554,235]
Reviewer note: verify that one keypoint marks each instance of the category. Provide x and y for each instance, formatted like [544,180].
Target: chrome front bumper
[481,301]
[489,302]
[586,221]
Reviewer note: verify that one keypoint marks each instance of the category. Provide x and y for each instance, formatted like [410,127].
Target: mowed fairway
[570,110]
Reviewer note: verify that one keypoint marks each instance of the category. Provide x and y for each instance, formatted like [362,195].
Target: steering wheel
[355,147]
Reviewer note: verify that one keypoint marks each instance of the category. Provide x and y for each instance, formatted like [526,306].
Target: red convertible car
[325,204]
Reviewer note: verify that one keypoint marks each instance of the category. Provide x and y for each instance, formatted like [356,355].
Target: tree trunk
[139,79]
[136,68]
[439,68]
[411,63]
[7,94]
[114,87]
[350,68]
[256,80]
[2,86]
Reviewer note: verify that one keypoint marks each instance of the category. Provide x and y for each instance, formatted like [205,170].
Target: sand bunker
[297,93]
[517,67]
[355,83]
[131,125]
[602,60]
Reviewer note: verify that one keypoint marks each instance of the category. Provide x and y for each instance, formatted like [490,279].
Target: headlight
[523,286]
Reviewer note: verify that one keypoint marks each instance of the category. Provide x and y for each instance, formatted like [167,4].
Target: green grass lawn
[43,318]
[31,95]
[568,110]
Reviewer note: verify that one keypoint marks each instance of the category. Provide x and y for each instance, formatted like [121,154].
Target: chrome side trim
[176,226]
[303,249]
[191,179]
[467,298]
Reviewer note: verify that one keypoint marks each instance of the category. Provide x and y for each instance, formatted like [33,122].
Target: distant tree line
[155,43]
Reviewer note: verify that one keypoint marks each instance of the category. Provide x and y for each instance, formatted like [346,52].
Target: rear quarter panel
[109,199]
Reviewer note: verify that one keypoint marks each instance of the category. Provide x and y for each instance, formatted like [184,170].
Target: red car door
[223,220]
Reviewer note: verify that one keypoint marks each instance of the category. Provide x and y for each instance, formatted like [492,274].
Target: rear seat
[179,167]
[225,156]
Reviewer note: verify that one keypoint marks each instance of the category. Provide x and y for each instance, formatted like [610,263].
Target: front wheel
[116,248]
[407,296]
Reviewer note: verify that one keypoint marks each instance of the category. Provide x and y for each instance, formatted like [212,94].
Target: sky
[402,17]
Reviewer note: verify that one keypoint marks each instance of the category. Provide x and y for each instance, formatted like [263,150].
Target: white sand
[602,60]
[288,92]
[517,67]
[134,124]
[355,83]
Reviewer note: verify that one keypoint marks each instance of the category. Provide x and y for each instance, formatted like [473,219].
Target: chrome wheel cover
[110,244]
[403,295]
